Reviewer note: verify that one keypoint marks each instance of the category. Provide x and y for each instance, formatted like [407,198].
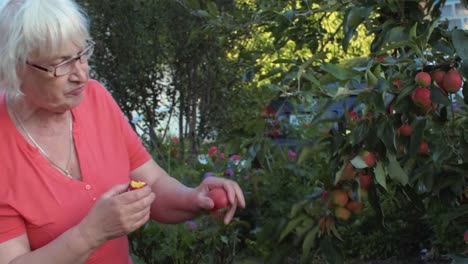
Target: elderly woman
[68,153]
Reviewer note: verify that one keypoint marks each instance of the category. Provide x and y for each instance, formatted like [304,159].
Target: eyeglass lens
[67,66]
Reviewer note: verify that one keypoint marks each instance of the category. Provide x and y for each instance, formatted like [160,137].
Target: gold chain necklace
[65,171]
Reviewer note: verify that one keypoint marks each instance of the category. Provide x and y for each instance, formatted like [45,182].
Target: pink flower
[292,154]
[353,115]
[175,140]
[212,151]
[221,156]
[235,157]
[465,237]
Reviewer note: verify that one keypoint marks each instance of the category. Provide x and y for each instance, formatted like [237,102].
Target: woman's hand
[234,193]
[116,213]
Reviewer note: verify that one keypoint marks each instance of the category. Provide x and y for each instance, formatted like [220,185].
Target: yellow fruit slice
[136,185]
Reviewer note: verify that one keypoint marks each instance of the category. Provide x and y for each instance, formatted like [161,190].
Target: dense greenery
[218,64]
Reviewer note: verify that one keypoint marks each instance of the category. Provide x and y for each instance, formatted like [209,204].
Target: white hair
[36,28]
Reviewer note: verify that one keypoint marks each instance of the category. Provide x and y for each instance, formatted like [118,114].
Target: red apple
[398,84]
[369,158]
[355,207]
[348,172]
[365,181]
[423,79]
[422,97]
[342,213]
[274,134]
[340,198]
[220,199]
[452,81]
[424,147]
[438,77]
[405,130]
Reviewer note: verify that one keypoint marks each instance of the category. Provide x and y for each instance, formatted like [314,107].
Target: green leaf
[379,173]
[358,162]
[387,135]
[224,239]
[397,34]
[417,136]
[273,72]
[194,4]
[395,171]
[273,87]
[296,208]
[460,38]
[212,8]
[413,31]
[331,252]
[289,15]
[413,196]
[434,24]
[353,18]
[438,96]
[339,72]
[307,151]
[291,225]
[302,229]
[464,72]
[309,241]
[202,13]
[339,173]
[302,71]
[359,133]
[370,78]
[336,234]
[310,77]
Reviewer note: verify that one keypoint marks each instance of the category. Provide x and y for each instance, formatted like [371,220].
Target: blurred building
[456,14]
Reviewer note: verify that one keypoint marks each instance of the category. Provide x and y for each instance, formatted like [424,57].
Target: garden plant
[386,180]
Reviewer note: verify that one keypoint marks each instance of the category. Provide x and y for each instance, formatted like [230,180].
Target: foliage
[408,39]
[157,55]
[201,241]
[229,59]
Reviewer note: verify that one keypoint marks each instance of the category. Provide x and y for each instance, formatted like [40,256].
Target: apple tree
[404,136]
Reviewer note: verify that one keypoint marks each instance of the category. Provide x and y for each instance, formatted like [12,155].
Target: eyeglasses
[65,67]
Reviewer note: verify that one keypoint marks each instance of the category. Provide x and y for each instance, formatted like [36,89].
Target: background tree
[222,62]
[153,54]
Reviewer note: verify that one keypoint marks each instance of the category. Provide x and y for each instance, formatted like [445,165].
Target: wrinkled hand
[234,193]
[116,213]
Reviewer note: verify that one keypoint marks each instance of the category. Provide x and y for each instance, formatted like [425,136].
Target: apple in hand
[220,199]
[133,185]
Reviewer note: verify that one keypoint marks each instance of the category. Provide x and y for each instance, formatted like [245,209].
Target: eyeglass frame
[52,70]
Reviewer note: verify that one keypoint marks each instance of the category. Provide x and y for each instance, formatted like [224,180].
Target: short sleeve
[137,153]
[11,223]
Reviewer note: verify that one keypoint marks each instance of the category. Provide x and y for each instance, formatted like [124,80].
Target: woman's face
[56,94]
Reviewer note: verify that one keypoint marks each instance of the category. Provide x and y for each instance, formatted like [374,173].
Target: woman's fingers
[230,213]
[234,193]
[117,214]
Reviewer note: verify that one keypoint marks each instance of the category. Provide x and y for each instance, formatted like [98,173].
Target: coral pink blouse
[36,199]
